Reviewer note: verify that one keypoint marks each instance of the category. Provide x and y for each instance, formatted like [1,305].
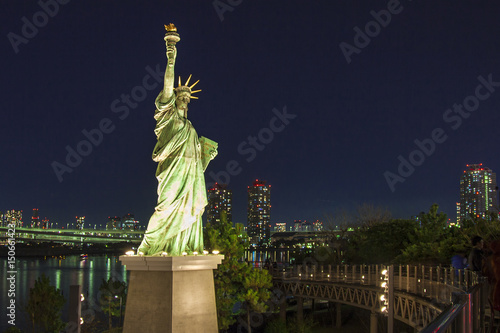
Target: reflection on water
[63,272]
[259,257]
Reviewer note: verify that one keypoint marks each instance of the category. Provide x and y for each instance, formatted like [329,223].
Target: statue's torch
[171,38]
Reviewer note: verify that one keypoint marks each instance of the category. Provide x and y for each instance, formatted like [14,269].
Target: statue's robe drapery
[176,224]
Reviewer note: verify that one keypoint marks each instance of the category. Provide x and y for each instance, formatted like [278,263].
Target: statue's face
[182,100]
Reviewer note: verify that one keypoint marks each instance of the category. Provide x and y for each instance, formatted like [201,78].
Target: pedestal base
[171,294]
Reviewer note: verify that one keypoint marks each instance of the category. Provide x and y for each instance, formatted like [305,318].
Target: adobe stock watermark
[253,144]
[372,29]
[222,6]
[453,117]
[40,19]
[95,136]
[11,274]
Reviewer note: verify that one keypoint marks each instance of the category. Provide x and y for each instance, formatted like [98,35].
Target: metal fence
[462,293]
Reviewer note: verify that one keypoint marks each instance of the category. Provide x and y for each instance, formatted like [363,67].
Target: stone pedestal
[171,294]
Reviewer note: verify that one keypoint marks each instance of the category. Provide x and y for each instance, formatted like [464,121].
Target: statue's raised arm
[171,38]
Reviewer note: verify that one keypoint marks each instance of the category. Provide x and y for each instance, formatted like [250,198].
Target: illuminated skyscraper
[219,199]
[35,220]
[259,213]
[14,217]
[280,227]
[129,222]
[114,223]
[478,193]
[80,222]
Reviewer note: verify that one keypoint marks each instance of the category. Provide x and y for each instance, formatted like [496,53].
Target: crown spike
[194,84]
[180,84]
[189,78]
[195,91]
[193,97]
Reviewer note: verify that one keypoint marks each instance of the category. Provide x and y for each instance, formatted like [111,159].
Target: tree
[347,231]
[379,243]
[113,293]
[44,306]
[424,241]
[235,281]
[256,284]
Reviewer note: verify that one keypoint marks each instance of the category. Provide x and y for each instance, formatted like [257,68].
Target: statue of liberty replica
[176,226]
[170,291]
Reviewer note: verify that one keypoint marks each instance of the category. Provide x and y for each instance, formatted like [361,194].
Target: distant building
[478,193]
[219,198]
[45,224]
[305,226]
[317,225]
[280,227]
[259,213]
[297,225]
[129,222]
[14,217]
[114,223]
[80,222]
[35,220]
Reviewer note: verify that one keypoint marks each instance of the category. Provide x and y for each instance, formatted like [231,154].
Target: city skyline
[222,194]
[336,104]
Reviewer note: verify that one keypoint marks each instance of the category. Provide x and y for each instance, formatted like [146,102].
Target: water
[63,272]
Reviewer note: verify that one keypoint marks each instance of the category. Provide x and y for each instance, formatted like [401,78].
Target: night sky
[330,106]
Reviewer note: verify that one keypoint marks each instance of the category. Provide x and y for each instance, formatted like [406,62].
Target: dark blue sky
[347,121]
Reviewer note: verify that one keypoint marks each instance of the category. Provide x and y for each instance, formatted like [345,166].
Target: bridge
[73,236]
[423,296]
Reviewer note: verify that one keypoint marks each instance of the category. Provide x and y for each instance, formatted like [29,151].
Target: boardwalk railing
[460,294]
[464,315]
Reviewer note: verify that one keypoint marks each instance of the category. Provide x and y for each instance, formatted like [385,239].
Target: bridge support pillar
[300,310]
[338,317]
[373,322]
[283,310]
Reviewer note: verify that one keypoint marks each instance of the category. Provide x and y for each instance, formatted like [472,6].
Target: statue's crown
[170,27]
[187,89]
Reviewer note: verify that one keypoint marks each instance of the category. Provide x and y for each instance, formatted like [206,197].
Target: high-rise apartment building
[478,193]
[219,198]
[259,213]
[14,217]
[35,220]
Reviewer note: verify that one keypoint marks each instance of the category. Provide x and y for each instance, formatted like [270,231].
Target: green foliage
[276,326]
[12,329]
[306,326]
[257,284]
[44,305]
[424,241]
[112,292]
[235,281]
[488,229]
[379,243]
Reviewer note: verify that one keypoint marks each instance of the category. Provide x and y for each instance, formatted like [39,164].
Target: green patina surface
[176,226]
